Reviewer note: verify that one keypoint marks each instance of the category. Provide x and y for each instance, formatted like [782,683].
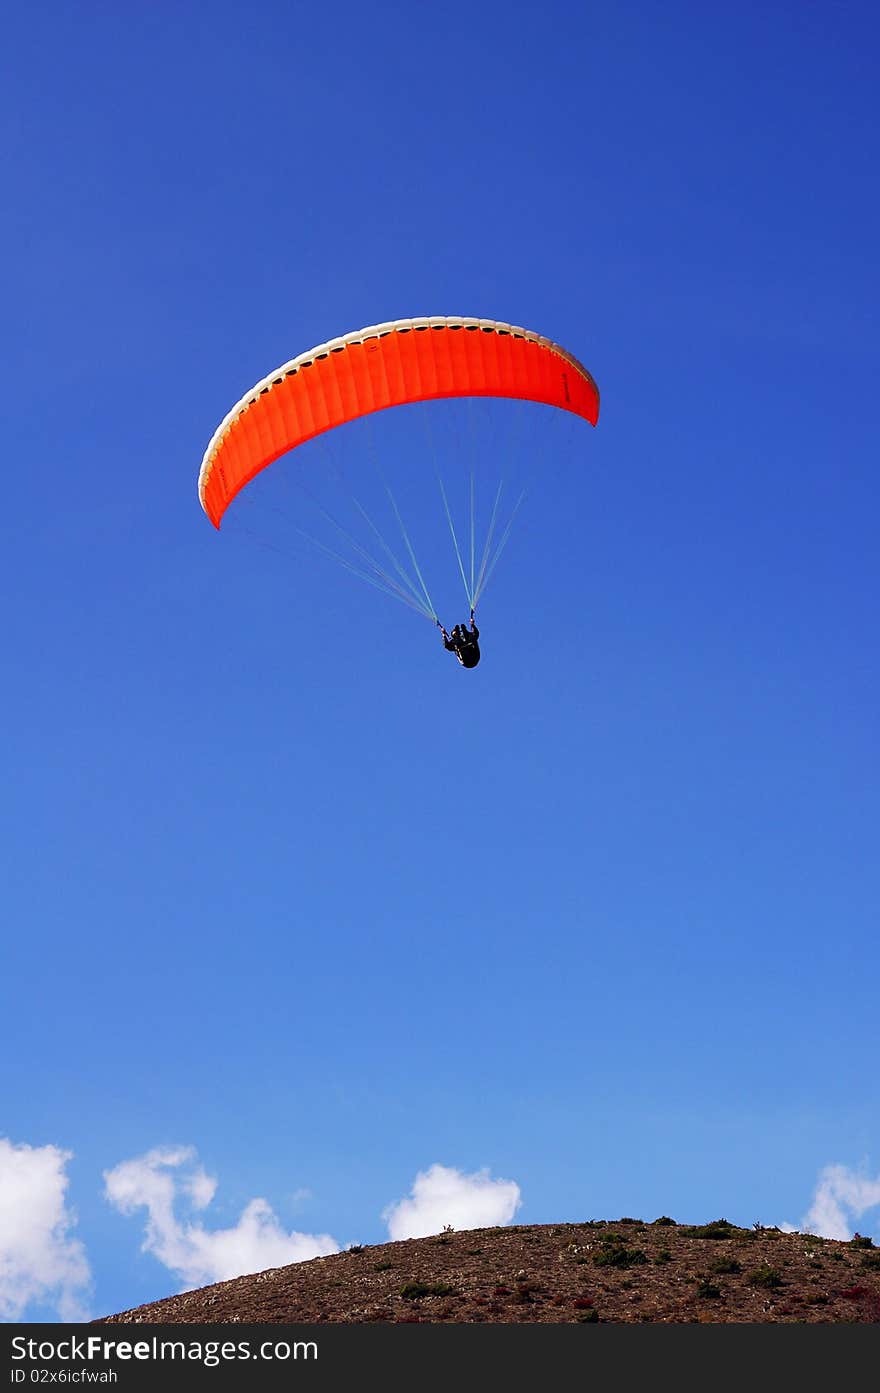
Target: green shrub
[719,1228]
[707,1289]
[414,1291]
[765,1276]
[726,1265]
[615,1254]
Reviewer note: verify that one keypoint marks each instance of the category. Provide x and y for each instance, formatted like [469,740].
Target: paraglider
[388,365]
[463,643]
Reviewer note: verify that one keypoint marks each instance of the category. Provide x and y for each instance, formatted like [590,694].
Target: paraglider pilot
[463,642]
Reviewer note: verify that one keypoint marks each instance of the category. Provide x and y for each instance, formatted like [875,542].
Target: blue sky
[309,936]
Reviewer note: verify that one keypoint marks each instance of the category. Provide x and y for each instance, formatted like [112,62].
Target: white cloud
[442,1195]
[842,1196]
[199,1256]
[39,1261]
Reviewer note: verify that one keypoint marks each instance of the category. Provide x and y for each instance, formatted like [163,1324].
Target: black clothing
[463,643]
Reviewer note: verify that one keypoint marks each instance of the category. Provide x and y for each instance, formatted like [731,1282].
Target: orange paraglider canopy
[406,360]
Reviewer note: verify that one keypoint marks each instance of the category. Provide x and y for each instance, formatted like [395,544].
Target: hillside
[621,1271]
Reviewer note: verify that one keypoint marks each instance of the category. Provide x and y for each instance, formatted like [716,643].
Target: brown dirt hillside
[621,1271]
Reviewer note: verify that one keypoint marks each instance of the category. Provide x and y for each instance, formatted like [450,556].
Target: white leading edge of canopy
[359,336]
